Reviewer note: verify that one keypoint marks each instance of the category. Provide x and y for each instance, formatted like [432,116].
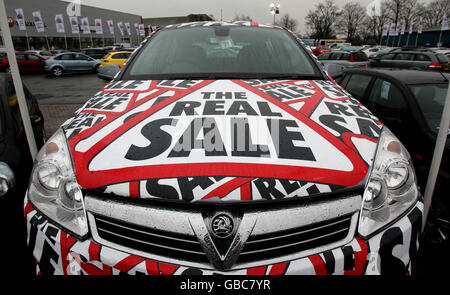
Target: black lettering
[159,141]
[284,140]
[222,95]
[214,107]
[238,107]
[188,185]
[115,103]
[159,190]
[242,142]
[187,107]
[337,109]
[331,122]
[266,188]
[368,128]
[265,110]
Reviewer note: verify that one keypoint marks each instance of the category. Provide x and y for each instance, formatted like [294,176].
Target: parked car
[42,53]
[321,49]
[373,51]
[414,60]
[3,54]
[238,158]
[27,62]
[71,62]
[15,169]
[119,58]
[346,59]
[96,53]
[410,103]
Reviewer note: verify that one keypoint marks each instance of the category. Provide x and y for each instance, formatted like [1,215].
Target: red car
[321,49]
[27,62]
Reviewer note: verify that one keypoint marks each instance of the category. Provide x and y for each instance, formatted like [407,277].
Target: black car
[410,103]
[414,60]
[96,53]
[15,159]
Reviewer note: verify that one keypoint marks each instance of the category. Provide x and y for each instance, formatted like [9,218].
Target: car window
[358,84]
[431,100]
[324,56]
[126,55]
[66,57]
[359,56]
[403,56]
[335,56]
[79,56]
[422,57]
[33,57]
[442,58]
[221,51]
[21,57]
[118,56]
[386,99]
[345,56]
[2,54]
[389,56]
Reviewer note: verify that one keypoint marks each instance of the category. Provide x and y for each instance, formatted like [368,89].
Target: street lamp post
[274,9]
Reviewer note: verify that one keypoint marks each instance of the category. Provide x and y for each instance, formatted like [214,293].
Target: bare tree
[322,20]
[433,12]
[351,20]
[374,23]
[288,22]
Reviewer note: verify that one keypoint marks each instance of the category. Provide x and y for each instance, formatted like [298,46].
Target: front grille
[289,242]
[168,244]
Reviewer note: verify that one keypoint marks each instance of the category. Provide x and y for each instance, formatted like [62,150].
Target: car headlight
[391,187]
[54,190]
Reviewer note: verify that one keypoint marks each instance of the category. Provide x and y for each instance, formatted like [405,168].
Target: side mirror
[334,70]
[108,72]
[7,179]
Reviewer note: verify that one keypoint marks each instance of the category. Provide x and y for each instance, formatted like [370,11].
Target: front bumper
[388,252]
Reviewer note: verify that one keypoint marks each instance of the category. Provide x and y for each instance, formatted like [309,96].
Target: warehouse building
[52,39]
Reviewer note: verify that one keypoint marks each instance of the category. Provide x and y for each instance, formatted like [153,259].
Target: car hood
[241,140]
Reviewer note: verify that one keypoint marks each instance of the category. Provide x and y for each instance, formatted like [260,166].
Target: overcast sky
[258,10]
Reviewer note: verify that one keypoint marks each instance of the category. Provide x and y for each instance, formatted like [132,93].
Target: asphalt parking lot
[59,98]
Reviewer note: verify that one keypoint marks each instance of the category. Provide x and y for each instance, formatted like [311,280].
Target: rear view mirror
[334,70]
[108,72]
[7,179]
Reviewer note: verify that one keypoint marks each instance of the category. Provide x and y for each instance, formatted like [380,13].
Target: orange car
[118,57]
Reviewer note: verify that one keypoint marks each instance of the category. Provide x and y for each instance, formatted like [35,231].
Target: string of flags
[399,28]
[82,26]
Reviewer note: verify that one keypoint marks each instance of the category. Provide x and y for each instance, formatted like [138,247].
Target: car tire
[96,68]
[57,71]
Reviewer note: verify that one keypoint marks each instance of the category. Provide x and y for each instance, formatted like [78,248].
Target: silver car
[345,59]
[70,62]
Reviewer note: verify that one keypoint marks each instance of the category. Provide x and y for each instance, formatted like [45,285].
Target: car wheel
[57,71]
[96,68]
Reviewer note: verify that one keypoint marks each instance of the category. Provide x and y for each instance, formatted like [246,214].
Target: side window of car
[117,56]
[404,56]
[345,56]
[422,57]
[386,99]
[33,57]
[357,85]
[335,56]
[81,57]
[21,57]
[389,56]
[66,57]
[324,56]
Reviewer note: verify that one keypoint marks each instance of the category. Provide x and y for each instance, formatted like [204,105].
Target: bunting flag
[59,21]
[392,29]
[85,25]
[110,26]
[127,26]
[402,32]
[21,19]
[98,26]
[39,24]
[120,26]
[411,26]
[74,24]
[385,30]
[141,30]
[444,22]
[419,28]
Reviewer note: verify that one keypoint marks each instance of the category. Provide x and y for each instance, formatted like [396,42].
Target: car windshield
[431,100]
[222,52]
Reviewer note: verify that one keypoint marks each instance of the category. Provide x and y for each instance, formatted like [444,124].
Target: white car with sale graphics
[223,148]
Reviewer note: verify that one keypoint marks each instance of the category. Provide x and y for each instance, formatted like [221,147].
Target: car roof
[405,76]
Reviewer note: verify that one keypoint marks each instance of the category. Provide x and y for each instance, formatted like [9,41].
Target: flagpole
[417,36]
[440,35]
[28,41]
[407,40]
[65,40]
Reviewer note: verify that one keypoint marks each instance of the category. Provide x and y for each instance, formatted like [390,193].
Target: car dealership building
[30,38]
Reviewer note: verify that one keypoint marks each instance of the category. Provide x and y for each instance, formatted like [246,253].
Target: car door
[387,102]
[84,62]
[403,60]
[36,63]
[67,60]
[385,60]
[22,62]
